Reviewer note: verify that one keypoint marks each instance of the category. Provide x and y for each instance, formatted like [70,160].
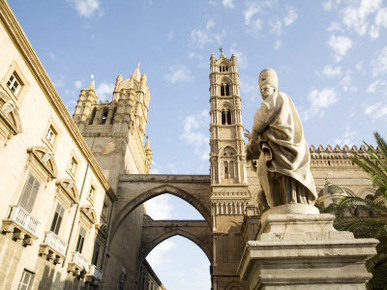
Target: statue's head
[268,82]
[268,77]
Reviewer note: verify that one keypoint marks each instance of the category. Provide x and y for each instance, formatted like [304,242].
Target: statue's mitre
[268,76]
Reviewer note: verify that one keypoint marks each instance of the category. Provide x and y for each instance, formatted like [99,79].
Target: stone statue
[277,141]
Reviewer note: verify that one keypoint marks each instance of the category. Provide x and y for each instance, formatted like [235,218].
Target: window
[81,240]
[223,117]
[14,84]
[229,117]
[225,169]
[225,90]
[96,252]
[26,280]
[92,116]
[57,220]
[104,116]
[91,193]
[104,210]
[29,193]
[50,135]
[73,165]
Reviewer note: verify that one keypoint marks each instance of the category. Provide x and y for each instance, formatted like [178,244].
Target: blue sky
[331,58]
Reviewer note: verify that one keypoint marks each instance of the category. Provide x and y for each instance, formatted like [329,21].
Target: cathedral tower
[229,191]
[115,129]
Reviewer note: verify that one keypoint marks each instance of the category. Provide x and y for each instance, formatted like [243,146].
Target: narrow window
[225,169]
[91,193]
[26,280]
[229,117]
[50,135]
[227,90]
[223,117]
[81,240]
[104,116]
[222,90]
[92,116]
[96,252]
[57,220]
[73,165]
[14,84]
[29,193]
[231,169]
[104,210]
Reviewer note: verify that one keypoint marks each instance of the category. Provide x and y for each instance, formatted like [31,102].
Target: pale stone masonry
[72,189]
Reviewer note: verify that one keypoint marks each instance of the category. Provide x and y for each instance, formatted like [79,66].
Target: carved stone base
[304,251]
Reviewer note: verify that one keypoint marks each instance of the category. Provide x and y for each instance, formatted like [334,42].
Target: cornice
[28,54]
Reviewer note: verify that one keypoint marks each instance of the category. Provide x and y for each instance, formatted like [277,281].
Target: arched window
[104,116]
[225,169]
[222,93]
[92,116]
[227,90]
[223,117]
[229,117]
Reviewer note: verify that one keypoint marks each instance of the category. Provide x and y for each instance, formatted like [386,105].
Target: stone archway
[134,190]
[155,232]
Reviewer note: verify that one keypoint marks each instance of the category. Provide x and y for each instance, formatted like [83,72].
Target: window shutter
[30,192]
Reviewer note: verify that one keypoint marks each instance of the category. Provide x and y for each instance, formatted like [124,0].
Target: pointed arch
[202,237]
[92,116]
[144,196]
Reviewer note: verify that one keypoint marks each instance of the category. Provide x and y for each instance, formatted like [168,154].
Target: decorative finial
[221,50]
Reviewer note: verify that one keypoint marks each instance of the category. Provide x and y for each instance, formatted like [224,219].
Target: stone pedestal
[304,251]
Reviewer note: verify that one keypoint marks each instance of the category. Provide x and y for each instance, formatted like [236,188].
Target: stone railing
[94,273]
[56,243]
[78,264]
[22,218]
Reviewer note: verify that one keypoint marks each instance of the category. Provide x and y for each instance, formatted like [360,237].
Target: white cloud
[249,88]
[347,138]
[158,256]
[228,3]
[78,84]
[356,15]
[291,17]
[195,128]
[159,207]
[241,57]
[319,101]
[379,63]
[359,65]
[335,27]
[346,83]
[277,44]
[376,111]
[330,71]
[253,14]
[340,45]
[275,27]
[372,88]
[201,37]
[87,8]
[178,74]
[104,91]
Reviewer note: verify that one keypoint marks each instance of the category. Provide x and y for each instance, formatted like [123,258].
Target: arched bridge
[135,189]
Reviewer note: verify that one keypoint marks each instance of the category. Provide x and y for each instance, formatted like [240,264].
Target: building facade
[67,213]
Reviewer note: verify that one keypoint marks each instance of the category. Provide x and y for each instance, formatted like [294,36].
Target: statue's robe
[284,159]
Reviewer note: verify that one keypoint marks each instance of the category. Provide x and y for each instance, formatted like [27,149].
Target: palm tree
[373,225]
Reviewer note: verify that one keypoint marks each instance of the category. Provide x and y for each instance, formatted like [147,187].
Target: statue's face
[266,90]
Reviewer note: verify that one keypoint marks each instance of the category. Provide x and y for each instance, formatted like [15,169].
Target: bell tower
[115,129]
[229,191]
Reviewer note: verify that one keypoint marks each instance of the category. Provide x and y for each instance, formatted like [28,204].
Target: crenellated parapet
[335,156]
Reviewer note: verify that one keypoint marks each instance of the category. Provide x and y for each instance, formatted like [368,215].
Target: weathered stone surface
[305,252]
